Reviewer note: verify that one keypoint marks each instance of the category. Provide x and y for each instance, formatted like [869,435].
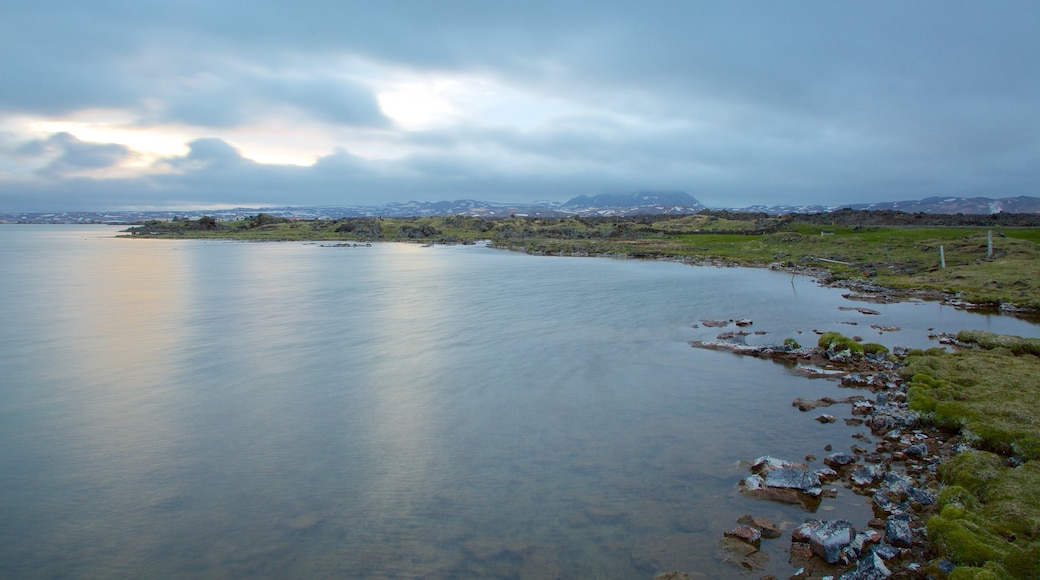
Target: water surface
[201,408]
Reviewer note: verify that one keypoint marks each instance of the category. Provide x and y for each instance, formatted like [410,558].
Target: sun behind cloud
[419,105]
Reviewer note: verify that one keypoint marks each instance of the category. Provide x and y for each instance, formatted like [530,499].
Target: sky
[196,104]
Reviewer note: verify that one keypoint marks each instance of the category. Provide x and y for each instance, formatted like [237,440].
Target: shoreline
[894,468]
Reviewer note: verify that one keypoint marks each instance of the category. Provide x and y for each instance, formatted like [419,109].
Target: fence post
[989,245]
[942,258]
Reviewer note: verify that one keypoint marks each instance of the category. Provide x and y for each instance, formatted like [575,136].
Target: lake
[217,409]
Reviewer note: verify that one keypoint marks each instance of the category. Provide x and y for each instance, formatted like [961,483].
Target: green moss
[991,394]
[791,343]
[989,519]
[988,340]
[838,342]
[874,348]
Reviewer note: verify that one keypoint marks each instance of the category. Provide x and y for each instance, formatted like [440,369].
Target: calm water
[211,409]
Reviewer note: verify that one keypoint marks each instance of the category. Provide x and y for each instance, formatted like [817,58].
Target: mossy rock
[838,342]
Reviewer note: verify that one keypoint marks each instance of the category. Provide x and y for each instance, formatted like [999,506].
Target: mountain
[640,202]
[955,205]
[608,205]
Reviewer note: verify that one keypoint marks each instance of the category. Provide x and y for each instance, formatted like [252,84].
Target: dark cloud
[231,98]
[736,102]
[68,154]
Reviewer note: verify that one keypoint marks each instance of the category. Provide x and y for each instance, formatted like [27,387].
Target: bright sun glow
[150,143]
[419,105]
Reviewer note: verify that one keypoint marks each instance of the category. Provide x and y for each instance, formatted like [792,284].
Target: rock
[921,496]
[766,463]
[746,534]
[826,474]
[826,419]
[755,486]
[794,478]
[839,459]
[741,554]
[869,567]
[828,539]
[800,552]
[744,322]
[884,503]
[863,407]
[898,532]
[863,540]
[892,416]
[896,484]
[867,474]
[886,552]
[766,527]
[917,451]
[676,575]
[806,405]
[715,323]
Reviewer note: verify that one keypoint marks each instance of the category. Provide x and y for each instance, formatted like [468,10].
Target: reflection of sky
[406,325]
[100,342]
[121,307]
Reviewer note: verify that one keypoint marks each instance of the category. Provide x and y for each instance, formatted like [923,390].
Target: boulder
[898,532]
[867,474]
[869,567]
[794,478]
[828,539]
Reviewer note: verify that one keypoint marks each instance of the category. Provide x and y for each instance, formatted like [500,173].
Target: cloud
[68,155]
[737,103]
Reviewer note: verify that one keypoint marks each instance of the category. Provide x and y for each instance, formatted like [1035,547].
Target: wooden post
[942,258]
[989,245]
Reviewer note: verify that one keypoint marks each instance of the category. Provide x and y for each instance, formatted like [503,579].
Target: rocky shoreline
[894,467]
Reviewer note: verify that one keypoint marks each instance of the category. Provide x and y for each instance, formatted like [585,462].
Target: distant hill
[955,205]
[603,205]
[640,202]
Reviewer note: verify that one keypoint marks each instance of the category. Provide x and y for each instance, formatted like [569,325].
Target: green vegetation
[878,247]
[991,394]
[839,343]
[989,519]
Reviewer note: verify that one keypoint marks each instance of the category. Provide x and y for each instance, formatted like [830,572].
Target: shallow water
[199,408]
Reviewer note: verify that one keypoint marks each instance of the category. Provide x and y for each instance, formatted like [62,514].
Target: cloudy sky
[112,104]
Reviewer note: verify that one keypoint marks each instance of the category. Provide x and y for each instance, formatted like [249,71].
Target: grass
[901,257]
[989,519]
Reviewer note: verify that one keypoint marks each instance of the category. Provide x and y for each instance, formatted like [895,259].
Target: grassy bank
[989,522]
[893,256]
[989,519]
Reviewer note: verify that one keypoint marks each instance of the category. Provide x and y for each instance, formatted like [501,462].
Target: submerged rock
[766,527]
[746,534]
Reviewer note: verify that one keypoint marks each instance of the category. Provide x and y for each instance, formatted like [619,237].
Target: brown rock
[767,527]
[746,534]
